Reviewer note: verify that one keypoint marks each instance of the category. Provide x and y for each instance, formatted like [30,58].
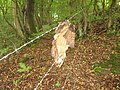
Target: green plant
[46,27]
[57,84]
[118,47]
[98,69]
[16,82]
[24,68]
[3,51]
[40,77]
[42,69]
[26,55]
[112,32]
[25,58]
[112,64]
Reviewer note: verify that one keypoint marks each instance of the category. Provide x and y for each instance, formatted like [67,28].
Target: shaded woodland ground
[75,74]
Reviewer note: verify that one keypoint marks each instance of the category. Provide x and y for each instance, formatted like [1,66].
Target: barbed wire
[33,41]
[27,44]
[65,82]
[44,76]
[40,82]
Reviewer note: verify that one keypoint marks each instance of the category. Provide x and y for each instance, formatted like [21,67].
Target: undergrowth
[111,65]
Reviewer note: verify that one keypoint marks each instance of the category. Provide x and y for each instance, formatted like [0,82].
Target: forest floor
[75,74]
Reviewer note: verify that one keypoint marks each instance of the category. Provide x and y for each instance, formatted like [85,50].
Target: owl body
[63,39]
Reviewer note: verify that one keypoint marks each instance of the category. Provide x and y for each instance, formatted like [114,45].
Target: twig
[44,76]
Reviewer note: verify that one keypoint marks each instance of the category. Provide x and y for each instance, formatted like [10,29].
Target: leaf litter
[77,66]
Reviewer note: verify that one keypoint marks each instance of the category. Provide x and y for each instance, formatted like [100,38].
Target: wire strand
[26,44]
[34,39]
[74,15]
[40,82]
[44,76]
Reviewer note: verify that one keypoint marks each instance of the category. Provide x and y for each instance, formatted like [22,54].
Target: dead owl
[63,39]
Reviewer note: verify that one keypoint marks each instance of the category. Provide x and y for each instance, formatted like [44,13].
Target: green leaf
[116,70]
[22,65]
[26,55]
[99,69]
[46,27]
[24,68]
[28,68]
[57,84]
[3,51]
[42,69]
[15,82]
[21,70]
[40,77]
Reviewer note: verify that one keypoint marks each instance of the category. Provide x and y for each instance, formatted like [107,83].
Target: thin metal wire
[54,63]
[26,44]
[65,82]
[75,15]
[44,76]
[34,39]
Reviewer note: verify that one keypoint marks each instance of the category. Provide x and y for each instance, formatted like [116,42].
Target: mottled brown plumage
[64,38]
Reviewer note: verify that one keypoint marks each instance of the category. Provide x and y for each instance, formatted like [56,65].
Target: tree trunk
[30,16]
[113,3]
[103,7]
[39,17]
[84,17]
[49,19]
[41,12]
[16,21]
[38,22]
[95,7]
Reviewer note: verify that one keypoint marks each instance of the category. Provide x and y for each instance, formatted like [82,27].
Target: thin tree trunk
[41,12]
[113,3]
[30,16]
[84,16]
[38,22]
[103,7]
[4,17]
[49,12]
[16,20]
[95,7]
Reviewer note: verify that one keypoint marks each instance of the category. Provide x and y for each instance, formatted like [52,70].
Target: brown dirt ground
[75,74]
